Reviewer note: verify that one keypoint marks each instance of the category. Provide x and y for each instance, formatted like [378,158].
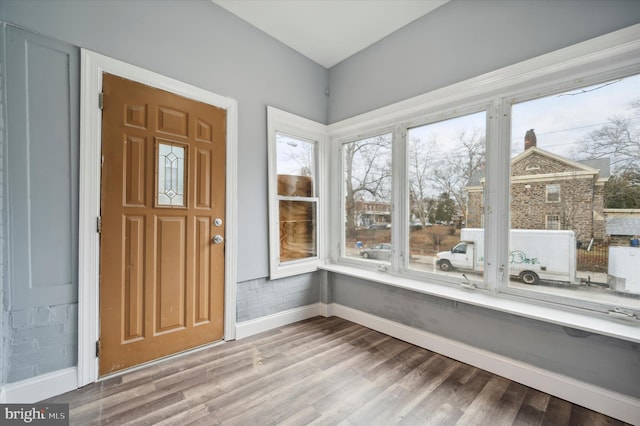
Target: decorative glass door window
[171,175]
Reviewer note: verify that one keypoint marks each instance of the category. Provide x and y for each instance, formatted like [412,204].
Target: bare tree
[454,171]
[367,174]
[618,140]
[421,169]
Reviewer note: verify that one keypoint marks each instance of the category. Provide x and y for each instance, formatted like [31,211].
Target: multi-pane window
[295,212]
[367,188]
[297,197]
[445,180]
[553,222]
[537,195]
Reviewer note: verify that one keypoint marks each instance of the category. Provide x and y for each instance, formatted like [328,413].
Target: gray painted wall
[193,41]
[464,39]
[603,361]
[42,145]
[199,43]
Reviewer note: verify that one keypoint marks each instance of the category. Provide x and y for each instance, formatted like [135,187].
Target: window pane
[446,194]
[170,175]
[575,169]
[367,192]
[296,166]
[297,230]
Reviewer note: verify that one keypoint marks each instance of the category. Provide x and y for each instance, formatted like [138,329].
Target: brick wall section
[43,339]
[261,297]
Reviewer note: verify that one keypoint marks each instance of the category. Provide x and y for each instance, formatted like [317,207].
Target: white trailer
[534,254]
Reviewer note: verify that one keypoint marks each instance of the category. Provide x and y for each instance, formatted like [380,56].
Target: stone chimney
[529,139]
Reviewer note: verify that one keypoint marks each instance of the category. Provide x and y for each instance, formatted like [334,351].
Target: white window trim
[279,121]
[593,61]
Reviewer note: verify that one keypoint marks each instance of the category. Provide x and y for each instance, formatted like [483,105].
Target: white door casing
[92,67]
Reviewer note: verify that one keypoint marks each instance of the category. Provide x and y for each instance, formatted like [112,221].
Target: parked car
[416,224]
[379,251]
[380,226]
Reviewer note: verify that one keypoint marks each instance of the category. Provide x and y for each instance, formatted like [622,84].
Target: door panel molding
[92,67]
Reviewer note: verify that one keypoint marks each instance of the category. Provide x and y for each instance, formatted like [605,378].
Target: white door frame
[93,65]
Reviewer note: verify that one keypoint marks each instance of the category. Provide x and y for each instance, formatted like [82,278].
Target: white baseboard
[612,404]
[40,387]
[269,322]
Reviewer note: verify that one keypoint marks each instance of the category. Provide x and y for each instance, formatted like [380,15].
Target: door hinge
[97,348]
[100,100]
[99,224]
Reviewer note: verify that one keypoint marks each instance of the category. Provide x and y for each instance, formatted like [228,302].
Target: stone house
[549,191]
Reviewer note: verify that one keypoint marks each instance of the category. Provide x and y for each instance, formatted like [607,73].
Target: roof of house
[602,165]
[623,225]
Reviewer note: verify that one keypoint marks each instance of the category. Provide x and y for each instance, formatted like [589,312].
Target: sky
[560,121]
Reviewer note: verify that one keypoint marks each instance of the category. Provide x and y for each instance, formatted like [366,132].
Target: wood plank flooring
[322,371]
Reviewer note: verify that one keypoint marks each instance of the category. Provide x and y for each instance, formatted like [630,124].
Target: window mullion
[400,215]
[497,196]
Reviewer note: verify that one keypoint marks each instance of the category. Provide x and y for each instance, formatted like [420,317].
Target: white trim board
[40,387]
[92,67]
[610,403]
[279,319]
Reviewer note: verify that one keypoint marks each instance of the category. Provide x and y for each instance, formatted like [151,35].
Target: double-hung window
[295,203]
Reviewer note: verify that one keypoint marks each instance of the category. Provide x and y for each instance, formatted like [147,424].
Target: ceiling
[328,31]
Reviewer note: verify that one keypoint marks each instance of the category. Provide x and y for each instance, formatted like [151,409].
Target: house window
[534,210]
[295,215]
[586,154]
[553,222]
[445,175]
[367,214]
[553,193]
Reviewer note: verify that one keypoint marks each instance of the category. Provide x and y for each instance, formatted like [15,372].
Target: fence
[593,257]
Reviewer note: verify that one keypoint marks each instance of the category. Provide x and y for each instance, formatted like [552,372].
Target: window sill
[575,318]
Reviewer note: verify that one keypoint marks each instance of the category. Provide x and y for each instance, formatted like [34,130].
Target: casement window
[517,167]
[296,219]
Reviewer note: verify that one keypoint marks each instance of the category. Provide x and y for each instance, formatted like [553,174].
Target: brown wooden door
[162,203]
